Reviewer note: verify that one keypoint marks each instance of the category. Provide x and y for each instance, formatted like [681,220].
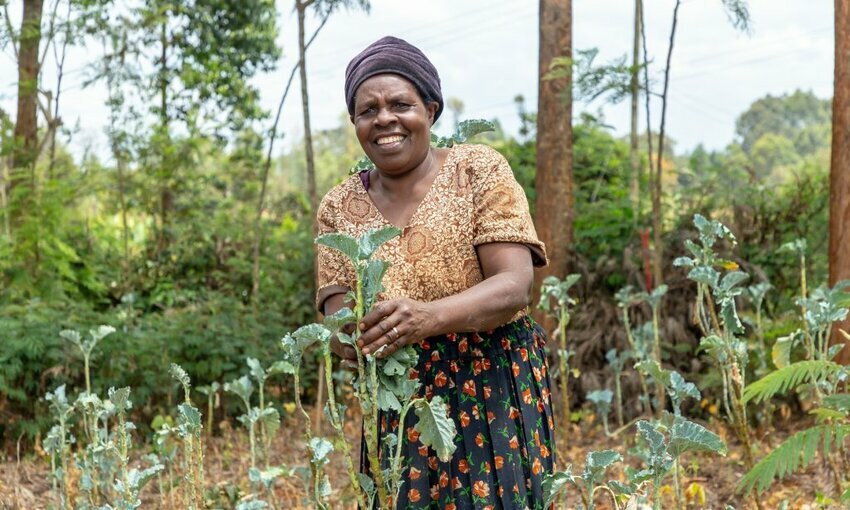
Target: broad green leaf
[387,399]
[310,334]
[651,368]
[435,427]
[554,483]
[687,436]
[602,400]
[340,319]
[466,129]
[621,488]
[120,398]
[732,279]
[373,275]
[781,352]
[367,484]
[270,418]
[180,375]
[838,401]
[684,262]
[242,387]
[653,438]
[71,335]
[256,369]
[372,240]
[683,388]
[705,275]
[345,244]
[597,463]
[254,504]
[101,332]
[138,479]
[190,416]
[362,164]
[320,448]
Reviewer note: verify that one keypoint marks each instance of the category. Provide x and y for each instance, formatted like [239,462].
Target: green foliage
[791,376]
[436,429]
[795,453]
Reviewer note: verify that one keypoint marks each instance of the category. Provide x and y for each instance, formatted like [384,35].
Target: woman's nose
[385,116]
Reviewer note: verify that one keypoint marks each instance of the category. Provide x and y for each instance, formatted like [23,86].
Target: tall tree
[324,8]
[738,14]
[26,128]
[554,215]
[634,150]
[839,174]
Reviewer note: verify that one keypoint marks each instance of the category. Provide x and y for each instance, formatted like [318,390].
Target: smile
[385,140]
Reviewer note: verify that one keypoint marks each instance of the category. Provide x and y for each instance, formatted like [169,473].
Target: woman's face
[392,123]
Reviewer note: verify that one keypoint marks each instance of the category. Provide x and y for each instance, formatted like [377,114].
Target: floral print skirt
[496,385]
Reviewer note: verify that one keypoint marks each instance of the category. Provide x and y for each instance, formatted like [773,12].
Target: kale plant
[381,385]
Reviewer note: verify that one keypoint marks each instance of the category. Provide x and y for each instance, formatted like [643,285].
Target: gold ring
[397,334]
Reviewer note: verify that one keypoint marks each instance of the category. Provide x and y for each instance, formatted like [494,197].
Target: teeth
[390,139]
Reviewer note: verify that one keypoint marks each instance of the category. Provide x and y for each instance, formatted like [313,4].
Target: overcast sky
[486,53]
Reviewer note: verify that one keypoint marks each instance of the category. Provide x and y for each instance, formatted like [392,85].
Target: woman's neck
[402,184]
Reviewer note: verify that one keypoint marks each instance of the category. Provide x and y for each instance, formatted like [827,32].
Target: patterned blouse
[473,200]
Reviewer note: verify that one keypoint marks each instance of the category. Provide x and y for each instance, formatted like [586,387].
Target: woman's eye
[367,111]
[402,106]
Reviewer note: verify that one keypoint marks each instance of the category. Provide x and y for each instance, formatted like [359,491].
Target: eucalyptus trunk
[25,150]
[634,153]
[554,179]
[839,175]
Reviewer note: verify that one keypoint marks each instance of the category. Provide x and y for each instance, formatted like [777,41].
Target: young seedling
[58,444]
[87,346]
[556,302]
[587,484]
[798,248]
[601,399]
[189,429]
[626,297]
[654,299]
[716,315]
[663,453]
[617,362]
[269,416]
[211,391]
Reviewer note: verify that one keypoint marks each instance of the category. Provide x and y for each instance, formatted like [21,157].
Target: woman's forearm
[485,306]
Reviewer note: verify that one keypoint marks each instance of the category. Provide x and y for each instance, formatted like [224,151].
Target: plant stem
[564,368]
[645,404]
[337,423]
[677,485]
[656,352]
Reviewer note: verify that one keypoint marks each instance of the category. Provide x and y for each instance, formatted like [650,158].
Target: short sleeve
[501,207]
[335,274]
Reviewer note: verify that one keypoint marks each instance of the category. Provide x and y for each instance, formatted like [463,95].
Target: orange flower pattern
[505,439]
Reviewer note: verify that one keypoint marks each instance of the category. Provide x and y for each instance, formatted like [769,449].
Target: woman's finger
[395,335]
[344,351]
[378,312]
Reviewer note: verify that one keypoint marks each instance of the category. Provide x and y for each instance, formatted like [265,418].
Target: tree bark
[657,216]
[634,153]
[839,175]
[305,108]
[554,179]
[26,128]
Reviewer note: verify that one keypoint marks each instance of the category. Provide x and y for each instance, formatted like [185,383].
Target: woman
[458,288]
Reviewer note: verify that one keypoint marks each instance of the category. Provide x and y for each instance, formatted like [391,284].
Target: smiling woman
[457,289]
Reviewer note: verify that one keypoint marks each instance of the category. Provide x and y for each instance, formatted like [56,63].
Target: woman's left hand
[396,323]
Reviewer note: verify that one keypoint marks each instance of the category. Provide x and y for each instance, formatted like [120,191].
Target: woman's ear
[431,108]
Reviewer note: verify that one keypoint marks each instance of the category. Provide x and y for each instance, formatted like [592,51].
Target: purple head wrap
[395,56]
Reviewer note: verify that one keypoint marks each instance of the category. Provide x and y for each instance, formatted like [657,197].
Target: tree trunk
[839,175]
[657,216]
[554,180]
[165,171]
[305,107]
[26,128]
[633,135]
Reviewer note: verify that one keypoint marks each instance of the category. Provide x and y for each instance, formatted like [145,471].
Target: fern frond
[788,377]
[795,453]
